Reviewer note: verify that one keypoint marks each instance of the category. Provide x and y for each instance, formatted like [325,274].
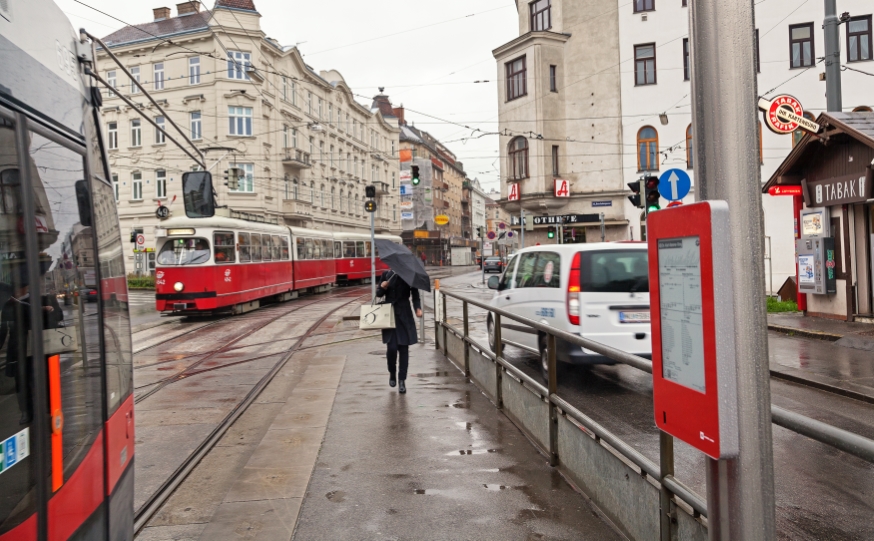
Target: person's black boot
[392,381]
[403,388]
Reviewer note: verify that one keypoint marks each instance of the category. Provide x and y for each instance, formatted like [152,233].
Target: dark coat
[15,324]
[398,294]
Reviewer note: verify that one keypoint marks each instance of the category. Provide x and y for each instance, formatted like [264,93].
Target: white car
[599,291]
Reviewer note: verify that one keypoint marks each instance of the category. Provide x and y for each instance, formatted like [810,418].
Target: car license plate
[633,317]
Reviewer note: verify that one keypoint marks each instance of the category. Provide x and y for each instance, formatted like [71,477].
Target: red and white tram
[352,254]
[67,420]
[314,268]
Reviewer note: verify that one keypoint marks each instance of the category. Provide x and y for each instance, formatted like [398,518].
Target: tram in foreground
[224,264]
[66,402]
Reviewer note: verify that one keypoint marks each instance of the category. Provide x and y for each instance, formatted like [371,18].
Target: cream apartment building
[305,144]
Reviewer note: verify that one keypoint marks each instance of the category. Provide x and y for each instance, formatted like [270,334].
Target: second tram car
[352,254]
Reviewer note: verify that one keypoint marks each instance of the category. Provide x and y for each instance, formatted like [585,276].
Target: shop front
[835,226]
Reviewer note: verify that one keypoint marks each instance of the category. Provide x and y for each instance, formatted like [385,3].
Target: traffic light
[550,233]
[370,206]
[635,194]
[651,193]
[416,175]
[479,232]
[370,192]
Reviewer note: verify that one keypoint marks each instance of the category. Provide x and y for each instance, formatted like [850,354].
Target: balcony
[297,159]
[381,188]
[297,208]
[441,185]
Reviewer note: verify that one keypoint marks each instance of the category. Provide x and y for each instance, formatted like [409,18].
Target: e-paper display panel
[680,305]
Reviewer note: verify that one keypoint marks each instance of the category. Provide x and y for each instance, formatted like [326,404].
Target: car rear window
[614,271]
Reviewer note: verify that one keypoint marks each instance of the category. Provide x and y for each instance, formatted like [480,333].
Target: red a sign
[562,188]
[514,192]
[786,190]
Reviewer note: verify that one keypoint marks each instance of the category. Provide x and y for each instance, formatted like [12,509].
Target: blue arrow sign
[674,184]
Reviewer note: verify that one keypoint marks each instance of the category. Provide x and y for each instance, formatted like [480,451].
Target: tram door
[51,407]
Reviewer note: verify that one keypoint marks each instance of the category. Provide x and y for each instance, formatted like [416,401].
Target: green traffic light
[550,235]
[653,208]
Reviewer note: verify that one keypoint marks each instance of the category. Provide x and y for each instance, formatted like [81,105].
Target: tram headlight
[178,286]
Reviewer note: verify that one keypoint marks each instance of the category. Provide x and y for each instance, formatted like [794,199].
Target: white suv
[599,291]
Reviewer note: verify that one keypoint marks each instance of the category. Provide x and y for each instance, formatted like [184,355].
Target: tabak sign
[841,190]
[784,114]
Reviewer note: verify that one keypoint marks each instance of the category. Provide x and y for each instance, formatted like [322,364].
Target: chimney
[161,13]
[399,113]
[187,8]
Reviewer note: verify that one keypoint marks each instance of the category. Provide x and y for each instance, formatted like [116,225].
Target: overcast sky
[427,57]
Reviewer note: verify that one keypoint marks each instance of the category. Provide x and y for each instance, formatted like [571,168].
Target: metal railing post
[552,388]
[499,354]
[443,317]
[666,463]
[466,344]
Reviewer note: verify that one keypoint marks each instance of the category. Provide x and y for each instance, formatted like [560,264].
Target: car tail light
[573,290]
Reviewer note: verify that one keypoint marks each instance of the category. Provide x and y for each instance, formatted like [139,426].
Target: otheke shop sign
[841,190]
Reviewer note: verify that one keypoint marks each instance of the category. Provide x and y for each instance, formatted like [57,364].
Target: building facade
[305,146]
[601,96]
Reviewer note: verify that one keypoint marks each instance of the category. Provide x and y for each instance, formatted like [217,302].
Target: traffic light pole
[372,257]
[740,491]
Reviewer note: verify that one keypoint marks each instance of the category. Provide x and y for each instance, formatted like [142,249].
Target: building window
[115,185]
[159,76]
[194,70]
[136,133]
[238,65]
[553,83]
[285,88]
[518,158]
[312,142]
[516,79]
[541,15]
[798,134]
[644,64]
[196,125]
[240,121]
[859,39]
[160,137]
[555,160]
[112,135]
[332,155]
[160,184]
[294,191]
[801,49]
[285,140]
[758,60]
[113,82]
[321,152]
[247,182]
[330,113]
[687,72]
[689,150]
[647,149]
[135,71]
[320,108]
[685,3]
[137,186]
[310,103]
[294,137]
[644,5]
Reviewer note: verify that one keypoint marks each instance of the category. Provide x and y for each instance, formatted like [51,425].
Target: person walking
[398,340]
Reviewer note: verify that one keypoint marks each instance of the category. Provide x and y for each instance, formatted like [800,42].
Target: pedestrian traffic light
[550,233]
[635,194]
[370,206]
[416,175]
[651,193]
[370,192]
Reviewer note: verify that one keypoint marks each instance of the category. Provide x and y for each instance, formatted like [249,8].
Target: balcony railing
[297,158]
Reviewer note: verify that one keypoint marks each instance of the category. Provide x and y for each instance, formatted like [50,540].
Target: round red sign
[780,125]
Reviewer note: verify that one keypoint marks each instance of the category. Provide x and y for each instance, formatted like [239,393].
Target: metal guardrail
[670,487]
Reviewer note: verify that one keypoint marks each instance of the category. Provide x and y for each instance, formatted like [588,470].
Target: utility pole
[832,57]
[522,225]
[740,491]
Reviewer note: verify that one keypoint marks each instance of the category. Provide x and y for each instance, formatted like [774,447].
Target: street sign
[694,364]
[406,176]
[491,235]
[502,225]
[441,219]
[514,193]
[162,212]
[406,205]
[407,216]
[141,241]
[406,189]
[784,115]
[674,184]
[786,190]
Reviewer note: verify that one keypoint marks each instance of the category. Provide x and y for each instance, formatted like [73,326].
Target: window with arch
[690,156]
[647,149]
[798,134]
[518,153]
[863,109]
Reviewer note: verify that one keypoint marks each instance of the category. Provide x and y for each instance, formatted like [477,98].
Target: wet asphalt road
[821,493]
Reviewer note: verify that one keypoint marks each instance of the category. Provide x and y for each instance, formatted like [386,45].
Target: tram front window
[194,251]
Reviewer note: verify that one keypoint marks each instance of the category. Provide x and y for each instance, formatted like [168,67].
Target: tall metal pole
[522,225]
[603,232]
[372,257]
[740,492]
[832,57]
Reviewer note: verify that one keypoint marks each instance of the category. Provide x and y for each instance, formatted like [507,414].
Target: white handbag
[377,316]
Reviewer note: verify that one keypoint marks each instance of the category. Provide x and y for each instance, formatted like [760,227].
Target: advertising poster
[812,225]
[805,269]
[406,215]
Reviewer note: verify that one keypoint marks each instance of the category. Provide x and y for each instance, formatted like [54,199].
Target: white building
[306,146]
[600,95]
[478,204]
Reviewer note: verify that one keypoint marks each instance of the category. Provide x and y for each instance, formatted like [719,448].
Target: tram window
[359,248]
[284,244]
[277,248]
[338,250]
[69,258]
[366,249]
[309,249]
[317,249]
[327,248]
[301,249]
[348,249]
[245,254]
[225,250]
[266,248]
[190,251]
[256,247]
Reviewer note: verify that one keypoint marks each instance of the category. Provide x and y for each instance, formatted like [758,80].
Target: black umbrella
[404,264]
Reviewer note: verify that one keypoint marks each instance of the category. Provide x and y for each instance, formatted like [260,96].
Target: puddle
[498,488]
[430,375]
[473,452]
[336,496]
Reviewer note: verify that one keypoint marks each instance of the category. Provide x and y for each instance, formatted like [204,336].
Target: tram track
[157,499]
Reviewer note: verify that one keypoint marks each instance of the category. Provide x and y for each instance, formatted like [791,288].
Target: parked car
[90,294]
[493,264]
[599,291]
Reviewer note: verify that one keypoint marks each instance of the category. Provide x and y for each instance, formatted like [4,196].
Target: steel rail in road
[163,493]
[838,438]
